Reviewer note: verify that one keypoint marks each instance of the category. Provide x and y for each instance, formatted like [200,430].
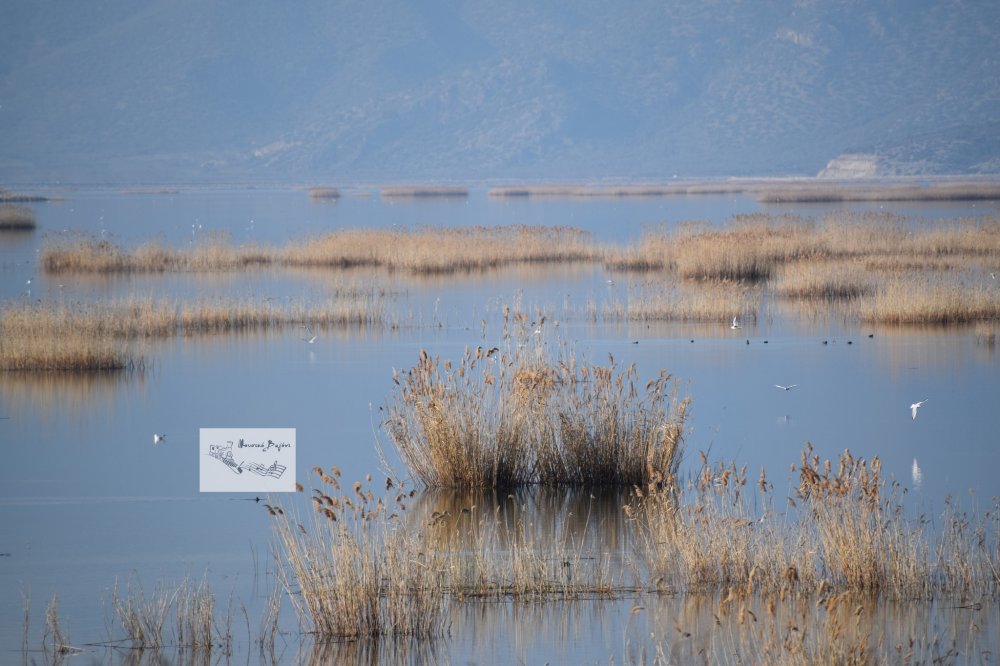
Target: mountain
[222,90]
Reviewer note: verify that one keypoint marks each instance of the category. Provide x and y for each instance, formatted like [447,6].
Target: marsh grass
[419,251]
[59,641]
[923,299]
[429,251]
[420,191]
[819,191]
[355,572]
[107,335]
[708,301]
[143,618]
[530,412]
[324,193]
[16,218]
[844,532]
[362,569]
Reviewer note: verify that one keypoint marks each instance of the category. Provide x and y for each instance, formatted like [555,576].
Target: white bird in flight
[309,330]
[159,438]
[786,388]
[736,324]
[915,406]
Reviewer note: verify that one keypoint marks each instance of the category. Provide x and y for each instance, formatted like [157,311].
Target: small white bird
[312,339]
[159,438]
[786,388]
[309,331]
[915,406]
[917,473]
[736,324]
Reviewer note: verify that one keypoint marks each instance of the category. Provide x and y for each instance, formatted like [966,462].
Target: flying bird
[736,324]
[159,438]
[786,388]
[915,406]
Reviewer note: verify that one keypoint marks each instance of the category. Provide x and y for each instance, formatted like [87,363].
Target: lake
[87,501]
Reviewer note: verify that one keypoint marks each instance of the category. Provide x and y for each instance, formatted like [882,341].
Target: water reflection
[59,393]
[591,521]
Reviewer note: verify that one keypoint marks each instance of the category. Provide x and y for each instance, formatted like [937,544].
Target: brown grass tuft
[16,218]
[509,417]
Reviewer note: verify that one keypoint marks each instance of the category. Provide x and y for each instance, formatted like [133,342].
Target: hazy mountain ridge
[222,90]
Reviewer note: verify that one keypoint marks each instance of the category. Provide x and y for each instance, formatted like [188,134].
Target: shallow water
[86,499]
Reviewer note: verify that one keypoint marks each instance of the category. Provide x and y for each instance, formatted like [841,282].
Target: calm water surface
[87,500]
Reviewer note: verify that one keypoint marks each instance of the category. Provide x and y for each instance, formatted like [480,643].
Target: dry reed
[356,572]
[506,417]
[16,218]
[419,191]
[324,193]
[708,301]
[819,191]
[105,335]
[143,618]
[844,532]
[920,299]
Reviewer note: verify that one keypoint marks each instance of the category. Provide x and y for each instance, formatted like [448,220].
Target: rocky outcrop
[851,165]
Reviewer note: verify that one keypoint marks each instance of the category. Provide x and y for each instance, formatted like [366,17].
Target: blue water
[87,500]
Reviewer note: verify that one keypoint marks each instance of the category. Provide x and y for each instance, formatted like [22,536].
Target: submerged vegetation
[506,417]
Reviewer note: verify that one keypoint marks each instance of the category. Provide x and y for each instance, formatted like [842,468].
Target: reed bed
[360,569]
[442,250]
[16,218]
[66,350]
[698,302]
[843,532]
[921,299]
[819,191]
[825,280]
[421,251]
[105,335]
[7,196]
[502,418]
[84,253]
[420,191]
[324,193]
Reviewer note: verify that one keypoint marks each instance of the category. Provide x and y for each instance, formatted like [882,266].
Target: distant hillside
[216,90]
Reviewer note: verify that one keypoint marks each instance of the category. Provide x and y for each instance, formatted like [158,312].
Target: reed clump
[356,571]
[16,218]
[324,193]
[508,417]
[360,568]
[144,619]
[709,301]
[844,532]
[421,191]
